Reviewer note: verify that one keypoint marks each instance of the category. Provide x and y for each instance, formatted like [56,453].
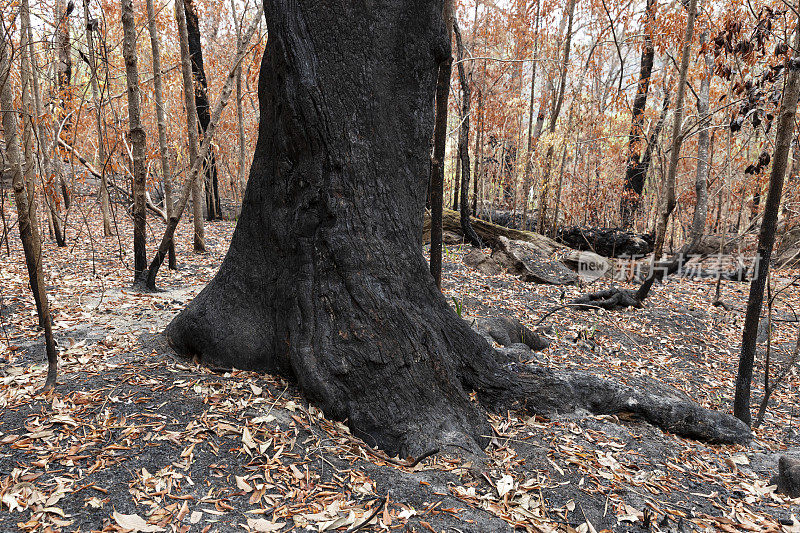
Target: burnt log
[608,242]
[489,233]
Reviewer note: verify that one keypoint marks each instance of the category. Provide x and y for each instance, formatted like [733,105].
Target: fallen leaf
[134,522]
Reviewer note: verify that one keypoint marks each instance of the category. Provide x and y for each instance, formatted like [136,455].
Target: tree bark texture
[766,237]
[203,106]
[137,138]
[191,126]
[636,171]
[166,173]
[325,282]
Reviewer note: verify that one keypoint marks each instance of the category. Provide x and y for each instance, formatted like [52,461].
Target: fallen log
[608,242]
[489,233]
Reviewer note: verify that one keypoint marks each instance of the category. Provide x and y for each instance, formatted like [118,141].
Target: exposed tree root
[545,391]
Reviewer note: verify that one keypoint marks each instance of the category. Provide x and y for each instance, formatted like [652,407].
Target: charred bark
[324,281]
[213,209]
[766,238]
[138,140]
[636,171]
[463,144]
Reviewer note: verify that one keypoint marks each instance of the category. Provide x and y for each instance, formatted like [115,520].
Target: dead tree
[636,171]
[191,126]
[213,206]
[766,237]
[463,143]
[326,284]
[29,233]
[137,138]
[439,142]
[166,173]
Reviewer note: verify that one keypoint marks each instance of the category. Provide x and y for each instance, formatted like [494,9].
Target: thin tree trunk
[457,175]
[101,144]
[463,143]
[703,143]
[526,179]
[674,156]
[137,138]
[197,164]
[439,142]
[166,172]
[64,94]
[636,171]
[766,237]
[554,112]
[478,153]
[240,106]
[29,234]
[213,206]
[191,126]
[29,116]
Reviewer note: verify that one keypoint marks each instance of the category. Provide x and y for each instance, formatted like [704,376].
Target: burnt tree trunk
[766,237]
[463,144]
[436,186]
[28,232]
[636,171]
[192,128]
[213,208]
[138,140]
[324,281]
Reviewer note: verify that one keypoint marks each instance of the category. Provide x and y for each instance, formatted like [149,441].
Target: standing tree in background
[668,203]
[196,169]
[324,281]
[91,28]
[436,186]
[463,143]
[137,138]
[555,110]
[28,232]
[166,173]
[213,206]
[766,238]
[239,105]
[636,171]
[191,126]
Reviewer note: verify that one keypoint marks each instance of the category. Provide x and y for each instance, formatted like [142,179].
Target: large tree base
[324,282]
[411,405]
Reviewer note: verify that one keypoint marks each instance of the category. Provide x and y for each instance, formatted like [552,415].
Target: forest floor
[136,438]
